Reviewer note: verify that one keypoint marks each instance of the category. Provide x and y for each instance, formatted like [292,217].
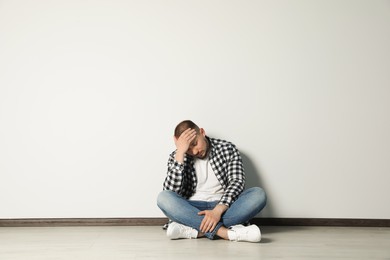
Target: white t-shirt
[208,187]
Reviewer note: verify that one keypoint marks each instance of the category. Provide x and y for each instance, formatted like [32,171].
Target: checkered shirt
[226,163]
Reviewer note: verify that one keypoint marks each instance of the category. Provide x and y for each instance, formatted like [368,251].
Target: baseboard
[331,222]
[55,222]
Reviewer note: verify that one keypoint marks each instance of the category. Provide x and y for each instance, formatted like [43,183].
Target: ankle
[222,232]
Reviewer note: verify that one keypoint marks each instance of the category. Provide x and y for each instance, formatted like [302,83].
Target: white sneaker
[176,231]
[241,233]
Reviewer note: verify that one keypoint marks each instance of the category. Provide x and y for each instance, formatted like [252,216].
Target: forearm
[236,179]
[179,156]
[174,178]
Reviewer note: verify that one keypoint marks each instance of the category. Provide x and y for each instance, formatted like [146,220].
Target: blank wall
[90,92]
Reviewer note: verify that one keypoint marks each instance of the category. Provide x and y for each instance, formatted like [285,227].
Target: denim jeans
[178,209]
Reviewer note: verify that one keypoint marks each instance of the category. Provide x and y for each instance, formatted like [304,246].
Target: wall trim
[330,222]
[54,222]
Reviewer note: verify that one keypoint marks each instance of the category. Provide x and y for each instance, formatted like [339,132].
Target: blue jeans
[178,209]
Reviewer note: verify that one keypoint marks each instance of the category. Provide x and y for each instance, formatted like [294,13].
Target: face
[198,147]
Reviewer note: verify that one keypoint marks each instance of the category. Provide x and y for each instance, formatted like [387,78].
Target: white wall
[90,92]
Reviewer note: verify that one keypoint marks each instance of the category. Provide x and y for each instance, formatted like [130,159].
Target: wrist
[180,152]
[179,156]
[220,209]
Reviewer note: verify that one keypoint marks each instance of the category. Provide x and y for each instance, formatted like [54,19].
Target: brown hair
[184,125]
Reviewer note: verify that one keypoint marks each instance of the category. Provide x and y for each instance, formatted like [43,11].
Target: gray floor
[151,243]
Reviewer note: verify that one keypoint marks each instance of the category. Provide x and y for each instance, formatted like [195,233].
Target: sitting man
[203,192]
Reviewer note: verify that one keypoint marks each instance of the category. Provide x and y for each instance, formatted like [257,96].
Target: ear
[202,132]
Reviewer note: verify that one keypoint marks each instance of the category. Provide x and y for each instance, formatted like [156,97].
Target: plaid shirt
[226,163]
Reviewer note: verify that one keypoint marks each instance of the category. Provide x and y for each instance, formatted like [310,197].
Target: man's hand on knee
[211,218]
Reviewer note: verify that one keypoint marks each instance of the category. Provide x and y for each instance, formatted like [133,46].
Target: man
[203,191]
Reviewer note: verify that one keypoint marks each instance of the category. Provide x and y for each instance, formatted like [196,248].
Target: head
[199,146]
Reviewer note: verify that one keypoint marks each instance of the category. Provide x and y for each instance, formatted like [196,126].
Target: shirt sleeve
[235,177]
[174,179]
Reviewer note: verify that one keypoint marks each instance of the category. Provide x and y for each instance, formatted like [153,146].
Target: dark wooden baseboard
[55,222]
[330,222]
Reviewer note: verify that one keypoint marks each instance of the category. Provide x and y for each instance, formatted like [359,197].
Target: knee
[163,198]
[259,195]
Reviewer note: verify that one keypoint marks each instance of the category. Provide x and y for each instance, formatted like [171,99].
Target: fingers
[208,223]
[183,143]
[203,223]
[188,135]
[207,226]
